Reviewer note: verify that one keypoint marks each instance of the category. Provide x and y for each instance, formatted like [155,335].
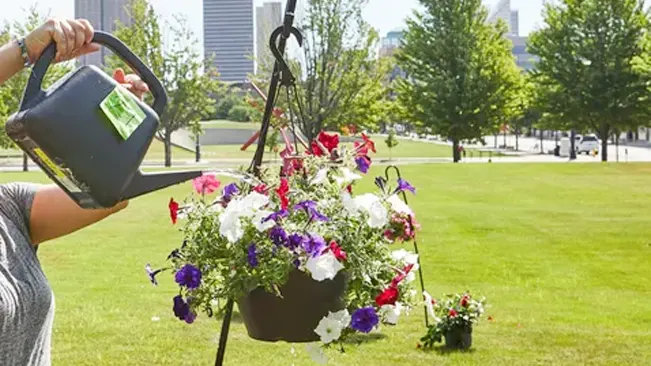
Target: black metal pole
[273,85]
[259,152]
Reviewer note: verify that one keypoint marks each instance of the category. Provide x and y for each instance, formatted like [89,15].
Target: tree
[587,51]
[461,74]
[11,92]
[391,141]
[339,79]
[190,82]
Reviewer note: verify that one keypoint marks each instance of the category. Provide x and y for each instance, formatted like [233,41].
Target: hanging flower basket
[294,316]
[304,256]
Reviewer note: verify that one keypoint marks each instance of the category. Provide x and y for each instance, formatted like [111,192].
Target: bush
[239,113]
[225,105]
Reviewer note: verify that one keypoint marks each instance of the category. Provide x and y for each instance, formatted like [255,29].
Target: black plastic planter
[459,338]
[294,316]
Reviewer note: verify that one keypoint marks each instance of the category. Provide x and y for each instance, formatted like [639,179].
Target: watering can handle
[33,88]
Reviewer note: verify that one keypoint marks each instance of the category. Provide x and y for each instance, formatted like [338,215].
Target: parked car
[587,144]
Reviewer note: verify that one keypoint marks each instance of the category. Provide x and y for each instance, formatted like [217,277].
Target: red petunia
[388,296]
[368,143]
[360,148]
[174,210]
[282,191]
[464,300]
[349,188]
[452,313]
[396,280]
[316,149]
[260,188]
[337,251]
[329,141]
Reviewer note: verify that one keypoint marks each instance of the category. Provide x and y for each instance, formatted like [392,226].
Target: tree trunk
[542,151]
[25,162]
[517,146]
[604,142]
[456,154]
[168,148]
[496,141]
[572,145]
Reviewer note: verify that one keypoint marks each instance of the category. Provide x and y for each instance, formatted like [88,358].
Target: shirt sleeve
[16,204]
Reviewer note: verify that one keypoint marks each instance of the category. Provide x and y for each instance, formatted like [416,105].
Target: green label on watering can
[123,111]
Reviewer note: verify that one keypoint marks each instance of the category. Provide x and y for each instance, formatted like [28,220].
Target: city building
[228,37]
[391,42]
[267,18]
[502,11]
[103,15]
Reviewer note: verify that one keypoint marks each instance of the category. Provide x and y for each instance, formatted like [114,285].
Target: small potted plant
[454,318]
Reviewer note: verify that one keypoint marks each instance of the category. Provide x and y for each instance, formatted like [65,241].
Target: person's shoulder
[16,200]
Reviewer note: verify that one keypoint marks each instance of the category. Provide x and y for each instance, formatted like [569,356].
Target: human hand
[72,37]
[131,82]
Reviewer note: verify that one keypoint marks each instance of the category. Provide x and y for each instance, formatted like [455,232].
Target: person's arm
[11,61]
[54,214]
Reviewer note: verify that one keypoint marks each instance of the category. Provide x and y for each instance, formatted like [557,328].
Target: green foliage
[191,83]
[11,92]
[593,68]
[462,79]
[343,81]
[239,113]
[225,104]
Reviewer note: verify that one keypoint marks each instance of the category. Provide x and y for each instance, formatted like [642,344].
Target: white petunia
[321,176]
[411,276]
[263,226]
[328,329]
[406,257]
[428,303]
[253,201]
[316,353]
[342,316]
[390,313]
[230,226]
[349,204]
[325,266]
[348,176]
[399,205]
[378,214]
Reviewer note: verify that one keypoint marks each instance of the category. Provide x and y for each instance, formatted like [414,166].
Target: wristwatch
[23,51]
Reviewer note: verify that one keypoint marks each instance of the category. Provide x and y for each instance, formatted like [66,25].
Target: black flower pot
[294,316]
[459,337]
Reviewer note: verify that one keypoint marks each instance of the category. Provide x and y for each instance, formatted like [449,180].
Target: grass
[561,251]
[230,124]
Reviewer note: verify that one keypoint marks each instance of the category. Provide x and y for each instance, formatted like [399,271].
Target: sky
[383,15]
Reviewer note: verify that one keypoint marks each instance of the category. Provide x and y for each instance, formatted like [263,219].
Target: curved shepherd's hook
[411,226]
[287,78]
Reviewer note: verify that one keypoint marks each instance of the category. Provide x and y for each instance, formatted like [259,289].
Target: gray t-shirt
[26,299]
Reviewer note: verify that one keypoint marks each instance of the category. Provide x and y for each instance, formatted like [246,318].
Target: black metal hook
[287,78]
[411,226]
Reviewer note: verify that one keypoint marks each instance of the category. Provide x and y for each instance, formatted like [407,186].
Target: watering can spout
[145,183]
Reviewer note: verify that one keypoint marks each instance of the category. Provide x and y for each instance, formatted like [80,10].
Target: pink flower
[206,183]
[452,313]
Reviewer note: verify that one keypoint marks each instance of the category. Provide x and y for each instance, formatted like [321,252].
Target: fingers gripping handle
[105,39]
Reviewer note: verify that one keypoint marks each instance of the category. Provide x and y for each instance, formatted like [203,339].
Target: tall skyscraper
[228,37]
[102,14]
[502,10]
[267,18]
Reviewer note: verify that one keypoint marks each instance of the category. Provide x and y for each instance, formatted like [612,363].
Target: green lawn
[405,149]
[561,251]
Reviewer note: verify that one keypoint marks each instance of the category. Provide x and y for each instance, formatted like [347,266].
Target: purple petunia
[310,207]
[314,244]
[252,256]
[363,163]
[295,241]
[229,191]
[278,235]
[364,319]
[403,185]
[189,276]
[182,310]
[276,216]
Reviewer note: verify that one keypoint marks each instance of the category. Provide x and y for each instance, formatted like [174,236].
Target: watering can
[89,134]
